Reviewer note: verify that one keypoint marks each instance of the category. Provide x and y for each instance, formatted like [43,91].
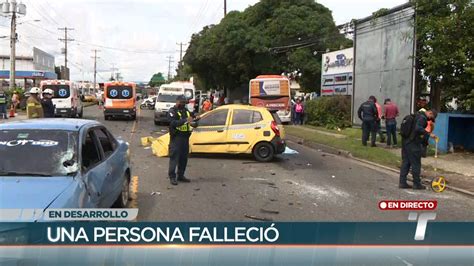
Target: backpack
[299,108]
[408,126]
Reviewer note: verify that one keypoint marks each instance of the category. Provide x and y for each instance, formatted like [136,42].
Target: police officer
[47,103]
[180,130]
[368,114]
[3,105]
[33,104]
[412,149]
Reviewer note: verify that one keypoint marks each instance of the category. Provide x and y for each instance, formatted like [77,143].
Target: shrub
[330,112]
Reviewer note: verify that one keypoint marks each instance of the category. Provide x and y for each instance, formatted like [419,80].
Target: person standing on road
[368,114]
[47,103]
[299,112]
[33,104]
[412,149]
[15,102]
[391,113]
[180,130]
[3,105]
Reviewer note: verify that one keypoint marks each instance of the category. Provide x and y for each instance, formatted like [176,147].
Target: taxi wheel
[263,152]
[124,196]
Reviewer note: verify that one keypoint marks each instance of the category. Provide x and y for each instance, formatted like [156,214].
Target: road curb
[347,154]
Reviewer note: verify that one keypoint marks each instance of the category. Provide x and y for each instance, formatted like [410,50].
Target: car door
[211,134]
[114,165]
[244,130]
[93,168]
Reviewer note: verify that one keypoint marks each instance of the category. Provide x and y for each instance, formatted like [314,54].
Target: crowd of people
[38,105]
[415,129]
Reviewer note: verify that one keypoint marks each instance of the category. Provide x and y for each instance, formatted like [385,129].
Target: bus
[273,93]
[66,97]
[120,100]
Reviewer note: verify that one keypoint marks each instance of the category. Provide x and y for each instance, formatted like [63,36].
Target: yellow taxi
[237,129]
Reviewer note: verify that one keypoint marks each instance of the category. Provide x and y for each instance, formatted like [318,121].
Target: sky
[134,36]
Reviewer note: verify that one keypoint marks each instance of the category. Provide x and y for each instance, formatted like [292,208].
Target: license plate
[126,111]
[63,111]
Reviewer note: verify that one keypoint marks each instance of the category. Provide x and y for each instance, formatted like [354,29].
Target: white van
[66,98]
[167,95]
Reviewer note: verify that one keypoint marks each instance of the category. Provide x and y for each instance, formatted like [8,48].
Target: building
[30,70]
[336,73]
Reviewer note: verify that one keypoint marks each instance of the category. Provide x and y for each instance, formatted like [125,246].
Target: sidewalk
[457,168]
[20,116]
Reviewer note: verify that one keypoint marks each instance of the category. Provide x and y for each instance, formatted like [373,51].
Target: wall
[384,50]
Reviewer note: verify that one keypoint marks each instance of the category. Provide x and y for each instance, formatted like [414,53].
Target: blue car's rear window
[38,152]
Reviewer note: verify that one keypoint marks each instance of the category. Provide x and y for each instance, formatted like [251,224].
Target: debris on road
[290,151]
[333,176]
[155,193]
[269,211]
[258,218]
[197,189]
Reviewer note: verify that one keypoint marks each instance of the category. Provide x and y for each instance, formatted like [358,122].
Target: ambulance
[66,97]
[120,100]
[166,99]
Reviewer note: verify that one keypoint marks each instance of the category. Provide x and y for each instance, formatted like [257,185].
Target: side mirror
[194,124]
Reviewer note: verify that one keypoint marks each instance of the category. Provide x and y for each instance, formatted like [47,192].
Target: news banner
[92,236]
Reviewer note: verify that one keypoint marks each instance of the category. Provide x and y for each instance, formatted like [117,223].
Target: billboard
[383,66]
[42,60]
[336,74]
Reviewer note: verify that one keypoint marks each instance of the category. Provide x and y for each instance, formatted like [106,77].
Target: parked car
[62,163]
[237,129]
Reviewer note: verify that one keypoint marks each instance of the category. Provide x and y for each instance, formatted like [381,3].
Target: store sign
[337,62]
[38,74]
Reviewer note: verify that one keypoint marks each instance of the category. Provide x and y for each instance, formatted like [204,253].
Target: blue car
[62,163]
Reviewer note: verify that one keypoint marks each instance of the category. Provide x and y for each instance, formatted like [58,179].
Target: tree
[157,80]
[445,36]
[270,37]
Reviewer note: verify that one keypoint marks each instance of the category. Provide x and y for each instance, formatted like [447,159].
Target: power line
[125,50]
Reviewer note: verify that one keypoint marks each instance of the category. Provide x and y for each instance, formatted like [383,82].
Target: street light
[13,9]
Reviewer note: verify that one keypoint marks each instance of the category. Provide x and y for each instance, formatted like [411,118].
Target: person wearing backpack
[299,112]
[368,114]
[414,135]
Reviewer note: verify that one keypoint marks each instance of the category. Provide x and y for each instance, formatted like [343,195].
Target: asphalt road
[309,186]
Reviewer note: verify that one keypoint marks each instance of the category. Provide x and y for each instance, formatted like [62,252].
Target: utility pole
[180,51]
[12,9]
[65,40]
[13,39]
[170,60]
[113,71]
[95,67]
[225,8]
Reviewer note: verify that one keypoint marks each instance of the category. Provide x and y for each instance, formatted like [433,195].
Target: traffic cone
[12,112]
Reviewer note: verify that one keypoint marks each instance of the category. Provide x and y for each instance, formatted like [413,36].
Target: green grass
[351,144]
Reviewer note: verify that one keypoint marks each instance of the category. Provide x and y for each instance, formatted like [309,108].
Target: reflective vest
[186,127]
[3,99]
